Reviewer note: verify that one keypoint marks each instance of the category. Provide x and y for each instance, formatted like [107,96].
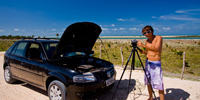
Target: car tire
[57,91]
[8,75]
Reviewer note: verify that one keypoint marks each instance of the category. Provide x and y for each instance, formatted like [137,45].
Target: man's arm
[155,48]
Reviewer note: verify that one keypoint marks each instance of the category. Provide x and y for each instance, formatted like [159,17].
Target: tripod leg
[132,68]
[122,75]
[146,75]
[129,79]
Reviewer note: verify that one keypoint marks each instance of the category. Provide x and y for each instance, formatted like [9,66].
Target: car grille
[104,74]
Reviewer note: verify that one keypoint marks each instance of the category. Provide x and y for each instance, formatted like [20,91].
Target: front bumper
[84,91]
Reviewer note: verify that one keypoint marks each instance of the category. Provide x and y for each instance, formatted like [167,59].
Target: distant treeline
[15,37]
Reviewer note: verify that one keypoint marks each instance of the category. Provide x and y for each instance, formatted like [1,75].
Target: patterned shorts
[154,73]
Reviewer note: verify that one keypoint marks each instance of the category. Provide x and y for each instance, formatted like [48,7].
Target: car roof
[41,40]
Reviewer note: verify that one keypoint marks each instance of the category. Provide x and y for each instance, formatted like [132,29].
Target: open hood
[78,37]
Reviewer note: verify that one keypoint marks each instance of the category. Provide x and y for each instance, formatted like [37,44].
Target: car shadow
[36,89]
[31,87]
[176,94]
[121,92]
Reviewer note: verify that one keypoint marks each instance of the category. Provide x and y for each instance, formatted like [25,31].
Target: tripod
[134,45]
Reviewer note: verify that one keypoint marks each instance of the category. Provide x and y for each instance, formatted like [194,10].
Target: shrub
[109,45]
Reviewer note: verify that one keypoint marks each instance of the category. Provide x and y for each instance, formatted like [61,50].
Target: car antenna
[104,48]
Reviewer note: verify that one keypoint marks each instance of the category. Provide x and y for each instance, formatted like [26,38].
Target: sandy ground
[175,89]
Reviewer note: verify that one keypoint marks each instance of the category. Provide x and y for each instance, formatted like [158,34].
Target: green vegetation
[15,37]
[5,44]
[172,54]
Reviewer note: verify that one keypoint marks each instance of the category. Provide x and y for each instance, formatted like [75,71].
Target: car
[65,68]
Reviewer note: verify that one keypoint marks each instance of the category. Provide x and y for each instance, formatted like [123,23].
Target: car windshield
[70,54]
[51,47]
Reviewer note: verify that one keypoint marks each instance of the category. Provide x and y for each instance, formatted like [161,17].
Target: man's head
[147,29]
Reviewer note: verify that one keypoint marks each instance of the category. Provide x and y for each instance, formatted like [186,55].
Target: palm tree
[57,35]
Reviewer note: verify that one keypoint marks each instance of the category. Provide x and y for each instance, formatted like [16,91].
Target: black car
[65,67]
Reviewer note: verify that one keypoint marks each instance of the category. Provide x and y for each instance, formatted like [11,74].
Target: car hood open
[78,37]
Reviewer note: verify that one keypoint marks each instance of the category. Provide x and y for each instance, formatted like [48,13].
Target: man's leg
[150,92]
[161,95]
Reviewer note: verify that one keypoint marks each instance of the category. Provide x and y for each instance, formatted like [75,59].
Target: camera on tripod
[134,43]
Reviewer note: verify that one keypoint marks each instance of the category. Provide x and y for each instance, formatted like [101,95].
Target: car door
[33,67]
[16,57]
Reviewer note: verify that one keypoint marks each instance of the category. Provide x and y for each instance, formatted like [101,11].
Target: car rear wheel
[8,75]
[57,91]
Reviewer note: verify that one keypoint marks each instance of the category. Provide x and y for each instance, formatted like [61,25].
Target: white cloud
[2,30]
[121,28]
[16,30]
[179,17]
[112,25]
[23,30]
[155,28]
[120,19]
[133,28]
[106,32]
[129,20]
[153,17]
[53,29]
[105,29]
[187,11]
[114,29]
[166,28]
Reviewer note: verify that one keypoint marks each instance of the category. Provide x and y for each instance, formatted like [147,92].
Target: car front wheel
[57,91]
[8,75]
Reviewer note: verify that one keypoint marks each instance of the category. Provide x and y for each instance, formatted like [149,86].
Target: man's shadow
[176,94]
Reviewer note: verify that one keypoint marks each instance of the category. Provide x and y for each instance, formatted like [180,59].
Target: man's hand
[140,44]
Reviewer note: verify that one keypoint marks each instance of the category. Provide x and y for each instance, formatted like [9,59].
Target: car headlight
[84,78]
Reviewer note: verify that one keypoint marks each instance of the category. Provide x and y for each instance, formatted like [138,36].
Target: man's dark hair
[146,28]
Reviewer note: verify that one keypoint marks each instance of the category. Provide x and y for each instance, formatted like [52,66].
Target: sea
[143,37]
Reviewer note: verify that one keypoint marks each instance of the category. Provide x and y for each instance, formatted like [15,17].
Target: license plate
[110,81]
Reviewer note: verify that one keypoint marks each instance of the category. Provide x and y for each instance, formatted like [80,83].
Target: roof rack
[35,39]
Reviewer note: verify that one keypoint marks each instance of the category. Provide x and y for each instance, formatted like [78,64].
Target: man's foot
[150,98]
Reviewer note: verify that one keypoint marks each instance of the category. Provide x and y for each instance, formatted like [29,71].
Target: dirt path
[175,89]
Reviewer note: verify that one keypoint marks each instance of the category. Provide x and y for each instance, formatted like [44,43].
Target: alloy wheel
[7,75]
[55,93]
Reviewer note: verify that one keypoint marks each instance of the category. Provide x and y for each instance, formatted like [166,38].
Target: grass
[172,54]
[5,44]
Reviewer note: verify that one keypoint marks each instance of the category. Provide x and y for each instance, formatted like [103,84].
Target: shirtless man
[153,46]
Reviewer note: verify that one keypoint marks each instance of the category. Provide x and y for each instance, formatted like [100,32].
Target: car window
[50,48]
[34,50]
[20,49]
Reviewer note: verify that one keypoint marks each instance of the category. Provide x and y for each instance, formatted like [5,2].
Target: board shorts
[154,73]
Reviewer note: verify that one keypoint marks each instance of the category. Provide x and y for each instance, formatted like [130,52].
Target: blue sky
[116,17]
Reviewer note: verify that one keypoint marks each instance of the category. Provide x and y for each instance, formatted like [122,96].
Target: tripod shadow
[176,94]
[121,93]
